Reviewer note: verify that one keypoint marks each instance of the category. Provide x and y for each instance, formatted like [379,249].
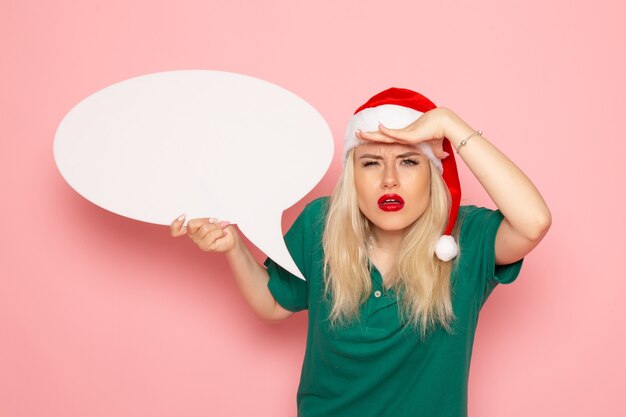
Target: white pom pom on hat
[446,248]
[396,108]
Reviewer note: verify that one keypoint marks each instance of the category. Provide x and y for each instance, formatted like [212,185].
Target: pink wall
[104,316]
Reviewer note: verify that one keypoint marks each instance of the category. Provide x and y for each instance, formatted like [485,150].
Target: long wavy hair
[420,279]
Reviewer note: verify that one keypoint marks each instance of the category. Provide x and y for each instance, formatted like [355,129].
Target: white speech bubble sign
[205,143]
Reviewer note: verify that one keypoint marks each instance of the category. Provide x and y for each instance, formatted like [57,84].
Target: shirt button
[377,294]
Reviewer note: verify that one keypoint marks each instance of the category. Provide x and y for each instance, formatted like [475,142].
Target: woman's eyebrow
[405,155]
[371,156]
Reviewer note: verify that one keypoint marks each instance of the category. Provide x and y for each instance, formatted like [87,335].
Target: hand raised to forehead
[427,128]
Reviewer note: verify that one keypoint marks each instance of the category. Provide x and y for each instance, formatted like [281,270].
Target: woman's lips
[390,202]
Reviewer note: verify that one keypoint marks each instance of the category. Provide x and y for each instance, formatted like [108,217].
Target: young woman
[396,270]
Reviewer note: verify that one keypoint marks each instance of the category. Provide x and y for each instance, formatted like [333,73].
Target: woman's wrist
[454,128]
[233,253]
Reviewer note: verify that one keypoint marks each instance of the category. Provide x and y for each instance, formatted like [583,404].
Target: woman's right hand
[209,234]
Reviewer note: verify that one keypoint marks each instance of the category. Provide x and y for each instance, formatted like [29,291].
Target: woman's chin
[393,226]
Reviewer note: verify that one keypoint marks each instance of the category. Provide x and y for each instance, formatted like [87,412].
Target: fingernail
[212,220]
[446,154]
[181,217]
[224,224]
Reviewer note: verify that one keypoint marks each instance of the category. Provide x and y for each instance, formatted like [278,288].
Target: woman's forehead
[384,149]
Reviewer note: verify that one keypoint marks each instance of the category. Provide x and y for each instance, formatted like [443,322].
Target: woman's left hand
[429,127]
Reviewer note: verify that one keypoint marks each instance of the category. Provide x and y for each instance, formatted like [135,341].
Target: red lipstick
[390,202]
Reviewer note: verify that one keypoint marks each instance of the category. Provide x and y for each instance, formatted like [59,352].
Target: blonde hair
[420,279]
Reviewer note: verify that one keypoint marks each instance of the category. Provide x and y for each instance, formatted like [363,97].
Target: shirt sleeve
[479,226]
[288,290]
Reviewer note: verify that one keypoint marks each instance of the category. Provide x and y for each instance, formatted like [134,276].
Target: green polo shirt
[376,366]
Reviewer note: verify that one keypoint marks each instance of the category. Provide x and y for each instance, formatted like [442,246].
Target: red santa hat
[396,108]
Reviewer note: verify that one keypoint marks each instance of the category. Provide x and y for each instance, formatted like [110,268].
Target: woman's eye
[370,163]
[409,162]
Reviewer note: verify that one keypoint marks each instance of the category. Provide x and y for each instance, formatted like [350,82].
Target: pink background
[105,316]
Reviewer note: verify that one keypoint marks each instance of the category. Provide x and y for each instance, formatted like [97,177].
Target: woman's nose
[390,179]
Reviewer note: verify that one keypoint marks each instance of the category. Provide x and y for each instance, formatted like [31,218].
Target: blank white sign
[204,143]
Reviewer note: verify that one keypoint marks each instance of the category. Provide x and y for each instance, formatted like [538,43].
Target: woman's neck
[388,241]
[383,248]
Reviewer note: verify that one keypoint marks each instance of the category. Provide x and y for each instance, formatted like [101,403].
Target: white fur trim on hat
[391,116]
